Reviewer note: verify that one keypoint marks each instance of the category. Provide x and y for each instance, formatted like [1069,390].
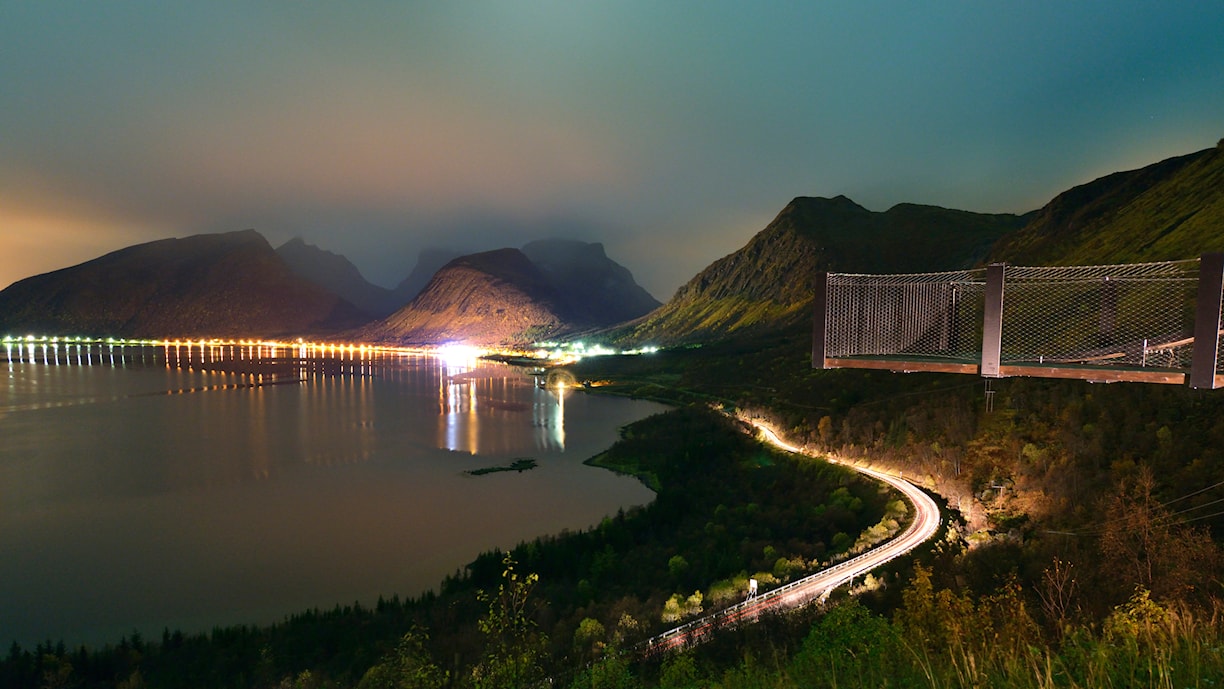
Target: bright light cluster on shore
[459,354]
[570,352]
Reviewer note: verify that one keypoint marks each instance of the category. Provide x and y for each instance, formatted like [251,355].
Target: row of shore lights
[563,351]
[214,342]
[44,339]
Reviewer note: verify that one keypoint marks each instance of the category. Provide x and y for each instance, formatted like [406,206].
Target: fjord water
[187,486]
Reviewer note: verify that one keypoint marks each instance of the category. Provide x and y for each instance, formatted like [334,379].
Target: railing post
[1207,322]
[992,324]
[820,320]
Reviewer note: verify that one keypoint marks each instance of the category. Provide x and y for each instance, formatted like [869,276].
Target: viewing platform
[1143,322]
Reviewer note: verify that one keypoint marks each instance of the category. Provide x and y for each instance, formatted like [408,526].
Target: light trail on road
[797,593]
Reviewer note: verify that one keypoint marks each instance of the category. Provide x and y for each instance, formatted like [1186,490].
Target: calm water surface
[187,486]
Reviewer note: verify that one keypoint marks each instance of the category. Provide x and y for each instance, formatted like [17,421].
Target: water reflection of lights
[556,430]
[457,400]
[476,400]
[480,408]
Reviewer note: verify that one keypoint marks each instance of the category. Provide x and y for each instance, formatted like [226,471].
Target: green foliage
[1138,618]
[515,649]
[677,566]
[409,666]
[680,607]
[978,642]
[613,671]
[589,638]
[850,647]
[769,282]
[679,672]
[1166,211]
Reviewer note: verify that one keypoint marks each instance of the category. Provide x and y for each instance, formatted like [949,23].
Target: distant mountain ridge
[591,288]
[230,284]
[429,261]
[338,275]
[769,282]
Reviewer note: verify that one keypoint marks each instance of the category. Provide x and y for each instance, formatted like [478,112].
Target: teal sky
[669,131]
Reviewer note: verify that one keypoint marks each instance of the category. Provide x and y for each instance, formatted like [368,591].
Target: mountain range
[236,284]
[230,284]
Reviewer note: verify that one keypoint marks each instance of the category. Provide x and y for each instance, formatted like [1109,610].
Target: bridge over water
[1144,322]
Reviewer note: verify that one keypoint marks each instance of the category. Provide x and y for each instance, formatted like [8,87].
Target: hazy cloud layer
[670,131]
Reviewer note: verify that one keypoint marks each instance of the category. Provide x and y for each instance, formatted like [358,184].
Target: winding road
[820,584]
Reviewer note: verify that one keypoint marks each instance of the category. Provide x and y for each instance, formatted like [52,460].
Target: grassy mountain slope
[1173,209]
[770,281]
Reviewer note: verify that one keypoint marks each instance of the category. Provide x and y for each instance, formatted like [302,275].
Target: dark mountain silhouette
[428,263]
[512,296]
[769,282]
[590,286]
[1173,209]
[338,275]
[230,284]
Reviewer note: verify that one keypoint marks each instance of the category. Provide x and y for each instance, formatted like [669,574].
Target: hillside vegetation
[769,282]
[1086,555]
[1170,210]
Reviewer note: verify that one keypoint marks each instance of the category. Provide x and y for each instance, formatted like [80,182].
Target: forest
[1096,508]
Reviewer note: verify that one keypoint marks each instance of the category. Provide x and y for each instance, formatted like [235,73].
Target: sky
[670,131]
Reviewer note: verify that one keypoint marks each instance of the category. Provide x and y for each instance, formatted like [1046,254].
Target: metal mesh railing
[1133,316]
[926,315]
[1143,322]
